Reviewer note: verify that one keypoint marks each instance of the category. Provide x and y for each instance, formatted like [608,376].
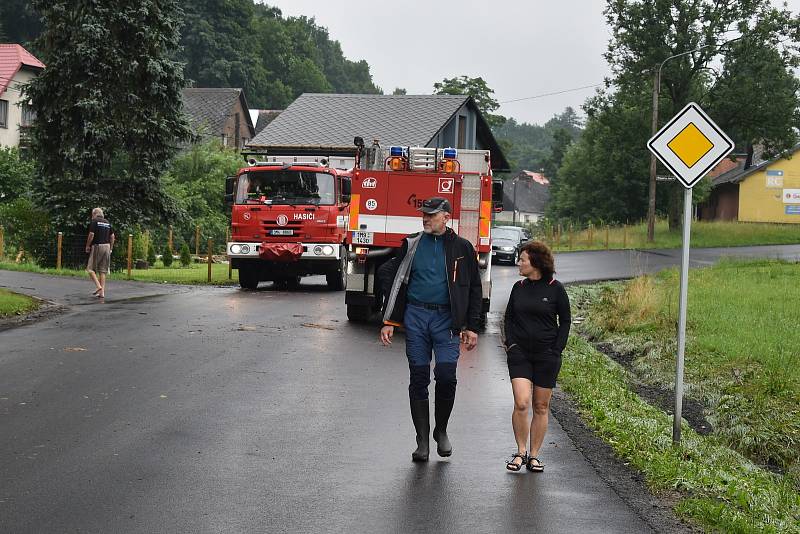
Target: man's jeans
[429,331]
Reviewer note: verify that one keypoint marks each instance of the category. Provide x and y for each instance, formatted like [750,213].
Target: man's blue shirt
[428,282]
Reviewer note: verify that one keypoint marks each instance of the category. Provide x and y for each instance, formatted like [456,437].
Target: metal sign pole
[687,226]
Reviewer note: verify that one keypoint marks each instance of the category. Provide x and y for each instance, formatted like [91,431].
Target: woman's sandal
[511,466]
[538,467]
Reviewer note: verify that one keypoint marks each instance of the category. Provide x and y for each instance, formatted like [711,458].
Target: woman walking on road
[536,328]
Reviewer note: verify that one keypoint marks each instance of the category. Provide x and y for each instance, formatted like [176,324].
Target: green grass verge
[15,304]
[704,235]
[741,350]
[195,273]
[721,490]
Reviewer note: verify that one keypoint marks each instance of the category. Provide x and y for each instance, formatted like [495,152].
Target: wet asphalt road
[179,409]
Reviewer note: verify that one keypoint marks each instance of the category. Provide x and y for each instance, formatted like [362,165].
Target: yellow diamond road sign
[690,144]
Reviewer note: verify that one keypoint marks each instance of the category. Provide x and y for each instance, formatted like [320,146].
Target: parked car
[506,243]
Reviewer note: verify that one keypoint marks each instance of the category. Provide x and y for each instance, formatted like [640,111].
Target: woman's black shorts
[540,368]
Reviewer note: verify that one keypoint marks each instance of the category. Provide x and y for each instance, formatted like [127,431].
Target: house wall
[722,204]
[10,136]
[229,130]
[762,195]
[448,136]
[522,217]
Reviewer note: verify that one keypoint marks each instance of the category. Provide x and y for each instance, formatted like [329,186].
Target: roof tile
[14,57]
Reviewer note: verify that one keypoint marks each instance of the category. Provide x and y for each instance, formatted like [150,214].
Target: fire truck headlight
[327,250]
[236,249]
[245,249]
[318,250]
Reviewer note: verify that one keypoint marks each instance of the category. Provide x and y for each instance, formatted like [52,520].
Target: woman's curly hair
[540,257]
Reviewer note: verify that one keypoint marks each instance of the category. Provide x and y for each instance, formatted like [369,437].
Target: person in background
[99,244]
[537,322]
[433,288]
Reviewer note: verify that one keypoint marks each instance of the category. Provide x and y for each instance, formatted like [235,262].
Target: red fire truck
[389,184]
[288,220]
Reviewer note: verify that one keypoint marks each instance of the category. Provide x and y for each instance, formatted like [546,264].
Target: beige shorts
[99,259]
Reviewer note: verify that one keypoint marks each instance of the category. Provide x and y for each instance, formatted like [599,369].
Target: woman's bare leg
[519,417]
[541,410]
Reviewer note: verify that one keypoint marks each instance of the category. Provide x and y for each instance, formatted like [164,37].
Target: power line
[551,94]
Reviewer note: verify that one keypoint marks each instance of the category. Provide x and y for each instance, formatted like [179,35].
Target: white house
[17,67]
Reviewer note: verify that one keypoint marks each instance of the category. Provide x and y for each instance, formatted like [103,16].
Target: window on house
[462,132]
[3,113]
[28,116]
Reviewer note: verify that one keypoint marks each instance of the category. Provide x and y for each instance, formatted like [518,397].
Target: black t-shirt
[102,231]
[530,319]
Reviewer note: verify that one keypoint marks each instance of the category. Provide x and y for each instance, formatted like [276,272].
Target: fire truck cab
[288,220]
[389,185]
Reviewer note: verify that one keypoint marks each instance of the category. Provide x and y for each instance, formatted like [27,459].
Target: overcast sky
[522,48]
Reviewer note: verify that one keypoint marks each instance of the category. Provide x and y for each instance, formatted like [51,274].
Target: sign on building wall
[791,196]
[774,179]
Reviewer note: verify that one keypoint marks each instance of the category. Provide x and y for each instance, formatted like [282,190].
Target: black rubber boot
[420,414]
[442,409]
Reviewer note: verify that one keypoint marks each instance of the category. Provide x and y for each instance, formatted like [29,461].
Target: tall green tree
[696,33]
[601,175]
[755,99]
[480,92]
[19,23]
[108,107]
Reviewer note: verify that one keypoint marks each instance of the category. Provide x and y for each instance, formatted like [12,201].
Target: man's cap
[435,205]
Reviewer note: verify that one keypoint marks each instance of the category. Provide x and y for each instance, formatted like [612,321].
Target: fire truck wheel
[293,282]
[337,281]
[248,277]
[357,313]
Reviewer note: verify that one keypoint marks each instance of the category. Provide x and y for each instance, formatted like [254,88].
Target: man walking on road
[434,290]
[99,243]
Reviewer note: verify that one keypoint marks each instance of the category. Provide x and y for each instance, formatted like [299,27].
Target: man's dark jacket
[463,282]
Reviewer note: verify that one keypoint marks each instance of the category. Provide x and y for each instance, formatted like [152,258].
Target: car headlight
[236,249]
[507,249]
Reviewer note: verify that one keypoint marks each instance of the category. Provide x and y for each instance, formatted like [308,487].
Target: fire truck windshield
[285,187]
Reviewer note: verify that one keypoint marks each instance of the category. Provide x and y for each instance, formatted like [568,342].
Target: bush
[186,256]
[151,255]
[166,258]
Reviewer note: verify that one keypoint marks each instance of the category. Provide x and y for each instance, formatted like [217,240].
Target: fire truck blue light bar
[450,153]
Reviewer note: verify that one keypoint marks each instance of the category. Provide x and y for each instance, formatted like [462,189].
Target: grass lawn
[195,273]
[15,304]
[743,343]
[704,234]
[719,488]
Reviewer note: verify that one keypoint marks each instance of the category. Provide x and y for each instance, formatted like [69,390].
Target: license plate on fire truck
[362,238]
[281,232]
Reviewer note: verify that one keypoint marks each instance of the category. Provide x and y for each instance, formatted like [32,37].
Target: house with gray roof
[325,124]
[218,113]
[525,198]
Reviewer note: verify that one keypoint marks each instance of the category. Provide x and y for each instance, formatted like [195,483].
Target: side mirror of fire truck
[497,195]
[230,188]
[346,190]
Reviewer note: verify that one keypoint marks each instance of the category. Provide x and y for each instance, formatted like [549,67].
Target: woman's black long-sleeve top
[531,313]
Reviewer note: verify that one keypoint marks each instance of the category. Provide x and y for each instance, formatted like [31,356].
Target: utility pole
[651,201]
